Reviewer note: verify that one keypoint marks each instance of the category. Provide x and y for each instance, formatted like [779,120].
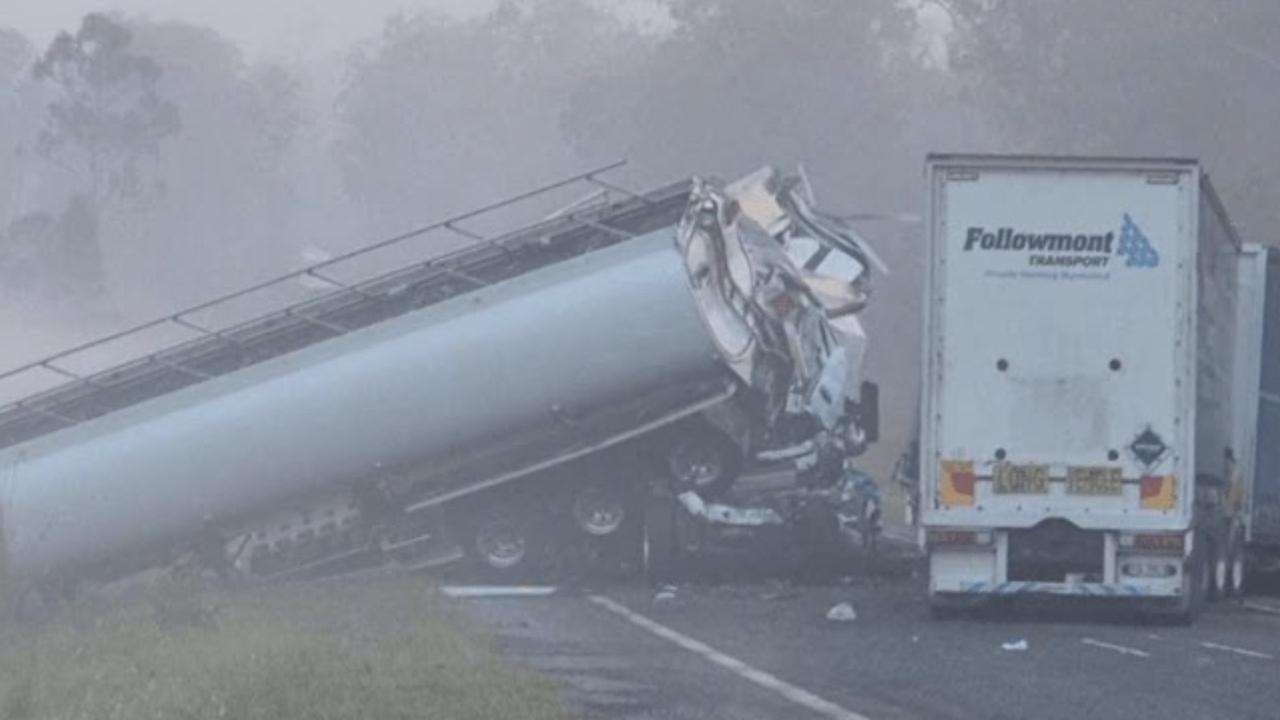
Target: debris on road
[1015,646]
[666,593]
[843,612]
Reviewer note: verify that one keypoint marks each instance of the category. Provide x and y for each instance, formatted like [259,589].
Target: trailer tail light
[1158,492]
[957,483]
[1154,542]
[958,538]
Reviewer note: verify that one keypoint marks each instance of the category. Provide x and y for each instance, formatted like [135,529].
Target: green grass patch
[384,648]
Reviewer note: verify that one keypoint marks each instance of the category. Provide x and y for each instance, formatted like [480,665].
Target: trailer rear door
[1060,367]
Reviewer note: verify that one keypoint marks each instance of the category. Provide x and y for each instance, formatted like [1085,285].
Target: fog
[304,30]
[215,144]
[284,28]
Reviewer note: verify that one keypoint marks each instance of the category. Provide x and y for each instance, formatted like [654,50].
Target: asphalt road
[757,650]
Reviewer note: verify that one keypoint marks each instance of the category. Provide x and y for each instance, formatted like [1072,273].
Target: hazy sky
[300,29]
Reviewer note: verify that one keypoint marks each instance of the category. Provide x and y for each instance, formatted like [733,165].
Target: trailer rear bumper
[977,572]
[1104,590]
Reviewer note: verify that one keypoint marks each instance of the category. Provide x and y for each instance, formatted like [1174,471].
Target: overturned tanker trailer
[452,406]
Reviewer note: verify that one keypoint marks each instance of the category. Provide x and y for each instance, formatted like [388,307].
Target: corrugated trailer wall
[1217,278]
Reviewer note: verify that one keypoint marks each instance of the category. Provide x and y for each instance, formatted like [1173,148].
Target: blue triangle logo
[1135,247]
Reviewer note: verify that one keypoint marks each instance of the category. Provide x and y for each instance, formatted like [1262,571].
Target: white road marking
[797,695]
[497,591]
[1238,651]
[1259,607]
[1118,648]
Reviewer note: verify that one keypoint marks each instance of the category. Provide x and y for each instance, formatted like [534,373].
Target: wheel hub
[500,544]
[695,464]
[598,512]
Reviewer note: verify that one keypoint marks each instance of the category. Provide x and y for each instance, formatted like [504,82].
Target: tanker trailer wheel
[703,460]
[600,509]
[503,543]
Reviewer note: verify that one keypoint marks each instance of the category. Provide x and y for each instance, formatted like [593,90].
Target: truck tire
[503,544]
[701,459]
[600,509]
[1197,584]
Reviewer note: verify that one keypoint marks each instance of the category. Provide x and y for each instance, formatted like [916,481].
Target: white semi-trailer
[1077,415]
[1258,414]
[447,406]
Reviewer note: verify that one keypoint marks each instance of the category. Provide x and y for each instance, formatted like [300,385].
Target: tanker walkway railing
[607,214]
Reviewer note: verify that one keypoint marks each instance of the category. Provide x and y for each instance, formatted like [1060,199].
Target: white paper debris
[1015,646]
[843,612]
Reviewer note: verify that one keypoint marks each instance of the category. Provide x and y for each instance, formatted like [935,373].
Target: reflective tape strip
[1026,587]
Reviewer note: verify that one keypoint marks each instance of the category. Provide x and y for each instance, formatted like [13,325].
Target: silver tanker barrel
[593,314]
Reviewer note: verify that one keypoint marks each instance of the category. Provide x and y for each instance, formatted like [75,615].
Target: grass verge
[384,648]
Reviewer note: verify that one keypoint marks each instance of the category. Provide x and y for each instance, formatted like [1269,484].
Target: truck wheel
[703,460]
[503,544]
[1202,581]
[1197,584]
[599,509]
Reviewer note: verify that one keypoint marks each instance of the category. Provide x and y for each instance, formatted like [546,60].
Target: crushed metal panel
[728,514]
[757,197]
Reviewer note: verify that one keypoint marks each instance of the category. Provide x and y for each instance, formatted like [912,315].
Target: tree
[233,199]
[1132,78]
[834,84]
[54,256]
[108,114]
[116,90]
[16,53]
[742,83]
[17,118]
[441,115]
